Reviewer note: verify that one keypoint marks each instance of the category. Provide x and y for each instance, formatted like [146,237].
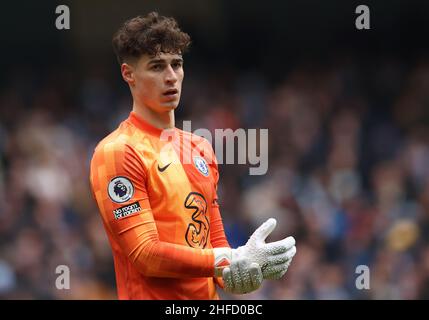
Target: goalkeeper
[156,186]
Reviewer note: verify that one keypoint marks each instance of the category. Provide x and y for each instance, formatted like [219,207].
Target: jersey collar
[142,124]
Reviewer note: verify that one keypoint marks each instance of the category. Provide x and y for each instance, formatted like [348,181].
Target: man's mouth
[170,92]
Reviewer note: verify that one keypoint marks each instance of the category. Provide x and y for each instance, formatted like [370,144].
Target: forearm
[139,241]
[217,232]
[217,236]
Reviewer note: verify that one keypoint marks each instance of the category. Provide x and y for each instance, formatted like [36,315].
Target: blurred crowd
[348,175]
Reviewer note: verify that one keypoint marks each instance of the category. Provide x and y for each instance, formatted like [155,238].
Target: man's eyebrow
[153,61]
[157,61]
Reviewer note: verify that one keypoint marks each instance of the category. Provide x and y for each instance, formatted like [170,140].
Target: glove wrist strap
[223,257]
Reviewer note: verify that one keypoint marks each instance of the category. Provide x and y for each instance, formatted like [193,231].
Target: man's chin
[169,106]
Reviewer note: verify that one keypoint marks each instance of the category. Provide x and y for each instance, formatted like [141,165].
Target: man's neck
[163,120]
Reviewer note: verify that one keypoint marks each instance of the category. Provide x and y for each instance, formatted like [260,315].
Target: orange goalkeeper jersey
[156,192]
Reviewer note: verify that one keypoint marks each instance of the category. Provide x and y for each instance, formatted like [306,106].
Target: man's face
[158,81]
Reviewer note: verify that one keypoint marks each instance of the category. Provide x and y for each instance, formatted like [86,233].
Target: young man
[157,196]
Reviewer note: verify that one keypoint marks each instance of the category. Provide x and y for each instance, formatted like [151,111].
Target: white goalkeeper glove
[242,276]
[274,258]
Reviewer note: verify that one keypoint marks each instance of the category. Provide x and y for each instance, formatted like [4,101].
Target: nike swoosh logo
[163,168]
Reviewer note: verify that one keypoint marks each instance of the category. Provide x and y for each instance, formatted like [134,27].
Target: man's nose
[171,76]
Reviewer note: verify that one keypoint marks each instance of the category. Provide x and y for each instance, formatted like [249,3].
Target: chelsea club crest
[201,165]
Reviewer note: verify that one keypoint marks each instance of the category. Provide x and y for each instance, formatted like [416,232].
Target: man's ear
[127,72]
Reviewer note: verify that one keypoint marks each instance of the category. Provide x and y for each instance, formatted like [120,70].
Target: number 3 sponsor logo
[198,230]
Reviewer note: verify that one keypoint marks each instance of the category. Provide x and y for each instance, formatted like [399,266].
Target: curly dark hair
[150,34]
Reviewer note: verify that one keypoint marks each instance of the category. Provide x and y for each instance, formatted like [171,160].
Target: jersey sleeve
[217,232]
[118,183]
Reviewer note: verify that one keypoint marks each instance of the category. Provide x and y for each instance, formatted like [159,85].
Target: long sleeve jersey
[156,191]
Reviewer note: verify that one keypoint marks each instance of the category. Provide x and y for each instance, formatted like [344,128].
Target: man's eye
[176,65]
[157,67]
